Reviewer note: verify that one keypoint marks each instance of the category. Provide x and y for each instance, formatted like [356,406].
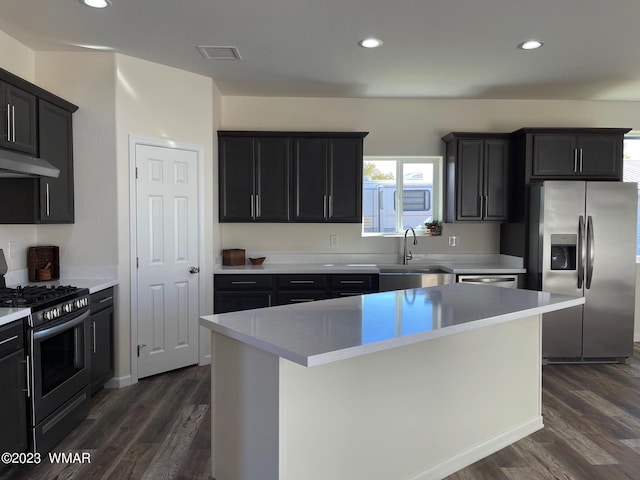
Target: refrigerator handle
[581,251]
[591,254]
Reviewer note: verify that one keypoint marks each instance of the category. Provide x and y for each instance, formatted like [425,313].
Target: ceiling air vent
[219,53]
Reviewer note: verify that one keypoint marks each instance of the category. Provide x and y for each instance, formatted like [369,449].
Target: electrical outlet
[333,240]
[454,240]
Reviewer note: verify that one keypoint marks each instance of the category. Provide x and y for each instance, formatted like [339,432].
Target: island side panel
[421,411]
[244,419]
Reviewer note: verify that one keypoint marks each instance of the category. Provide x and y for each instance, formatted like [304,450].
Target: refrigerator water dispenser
[563,251]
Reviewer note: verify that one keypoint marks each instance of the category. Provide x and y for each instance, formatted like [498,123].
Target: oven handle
[49,332]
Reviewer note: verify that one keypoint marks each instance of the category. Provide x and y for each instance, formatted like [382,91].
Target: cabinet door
[600,156]
[56,146]
[233,301]
[273,175]
[554,155]
[345,180]
[310,180]
[101,348]
[19,120]
[237,175]
[496,180]
[469,180]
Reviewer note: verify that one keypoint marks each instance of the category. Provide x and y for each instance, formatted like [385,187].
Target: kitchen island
[411,384]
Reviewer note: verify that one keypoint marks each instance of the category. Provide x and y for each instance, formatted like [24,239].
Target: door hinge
[140,347]
[137,262]
[136,172]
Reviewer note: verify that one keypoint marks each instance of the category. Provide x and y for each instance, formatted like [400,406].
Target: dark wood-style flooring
[160,429]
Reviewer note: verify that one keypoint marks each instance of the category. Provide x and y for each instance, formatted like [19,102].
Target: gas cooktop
[38,297]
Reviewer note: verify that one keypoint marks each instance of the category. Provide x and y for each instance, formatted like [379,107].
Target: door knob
[194,270]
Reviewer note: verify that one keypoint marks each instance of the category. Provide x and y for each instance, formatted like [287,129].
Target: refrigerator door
[562,260]
[610,271]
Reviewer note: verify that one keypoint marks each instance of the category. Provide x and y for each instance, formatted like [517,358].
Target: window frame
[436,195]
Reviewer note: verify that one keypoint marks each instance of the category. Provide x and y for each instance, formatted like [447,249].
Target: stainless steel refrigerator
[583,242]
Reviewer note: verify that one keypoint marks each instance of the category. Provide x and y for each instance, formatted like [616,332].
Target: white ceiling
[432,48]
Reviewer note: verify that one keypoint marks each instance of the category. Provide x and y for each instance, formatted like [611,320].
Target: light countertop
[8,315]
[326,331]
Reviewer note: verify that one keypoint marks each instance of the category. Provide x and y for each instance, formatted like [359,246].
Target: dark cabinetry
[477,177]
[290,176]
[569,153]
[254,179]
[235,292]
[101,341]
[13,400]
[42,125]
[18,120]
[328,180]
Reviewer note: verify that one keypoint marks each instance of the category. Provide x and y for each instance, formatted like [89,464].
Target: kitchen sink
[401,277]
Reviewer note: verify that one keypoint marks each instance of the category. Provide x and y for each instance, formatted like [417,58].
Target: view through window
[631,173]
[384,210]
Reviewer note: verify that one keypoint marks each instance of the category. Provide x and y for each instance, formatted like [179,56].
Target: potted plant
[433,227]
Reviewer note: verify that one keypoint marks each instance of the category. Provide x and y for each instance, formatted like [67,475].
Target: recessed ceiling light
[530,45]
[96,3]
[370,43]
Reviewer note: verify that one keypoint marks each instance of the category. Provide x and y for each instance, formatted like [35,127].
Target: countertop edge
[359,350]
[8,315]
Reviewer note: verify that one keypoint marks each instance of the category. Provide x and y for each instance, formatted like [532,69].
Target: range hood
[19,165]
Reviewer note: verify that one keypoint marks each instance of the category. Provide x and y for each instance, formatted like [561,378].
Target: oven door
[60,363]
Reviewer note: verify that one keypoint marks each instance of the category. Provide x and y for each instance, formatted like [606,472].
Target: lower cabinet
[234,292]
[13,399]
[101,338]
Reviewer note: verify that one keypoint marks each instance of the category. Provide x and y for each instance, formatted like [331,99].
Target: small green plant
[433,224]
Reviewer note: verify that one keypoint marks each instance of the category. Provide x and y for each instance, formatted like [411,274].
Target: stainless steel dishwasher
[506,281]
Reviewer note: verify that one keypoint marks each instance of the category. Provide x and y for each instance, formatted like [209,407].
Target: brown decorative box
[233,256]
[43,263]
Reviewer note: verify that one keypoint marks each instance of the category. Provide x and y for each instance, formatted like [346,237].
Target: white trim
[119,382]
[134,141]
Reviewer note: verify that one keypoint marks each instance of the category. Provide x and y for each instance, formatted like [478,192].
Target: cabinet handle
[575,160]
[107,299]
[8,122]
[486,206]
[330,206]
[93,327]
[28,362]
[301,281]
[13,123]
[48,201]
[269,297]
[481,205]
[6,340]
[351,282]
[253,207]
[247,282]
[257,205]
[301,300]
[580,160]
[324,206]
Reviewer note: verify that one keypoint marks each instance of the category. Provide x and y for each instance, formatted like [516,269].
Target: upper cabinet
[56,146]
[254,179]
[18,120]
[477,177]
[36,123]
[571,153]
[328,180]
[290,176]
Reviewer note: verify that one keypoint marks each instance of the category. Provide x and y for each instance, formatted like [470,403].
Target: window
[631,172]
[384,211]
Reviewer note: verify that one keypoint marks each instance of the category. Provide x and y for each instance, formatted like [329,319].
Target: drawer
[302,281]
[101,300]
[353,282]
[11,338]
[289,297]
[239,282]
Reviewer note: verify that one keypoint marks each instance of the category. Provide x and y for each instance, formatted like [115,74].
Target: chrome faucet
[406,255]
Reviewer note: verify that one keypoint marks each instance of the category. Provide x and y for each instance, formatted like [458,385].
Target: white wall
[159,102]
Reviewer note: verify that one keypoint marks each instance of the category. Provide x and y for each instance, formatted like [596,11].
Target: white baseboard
[206,360]
[119,382]
[478,452]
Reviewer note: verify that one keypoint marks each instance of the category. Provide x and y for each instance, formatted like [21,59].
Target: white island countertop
[326,331]
[8,315]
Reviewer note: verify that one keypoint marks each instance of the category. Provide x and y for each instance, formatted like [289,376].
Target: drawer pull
[351,294]
[6,340]
[107,299]
[301,281]
[245,282]
[352,282]
[301,300]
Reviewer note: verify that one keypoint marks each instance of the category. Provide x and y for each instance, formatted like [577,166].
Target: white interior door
[167,258]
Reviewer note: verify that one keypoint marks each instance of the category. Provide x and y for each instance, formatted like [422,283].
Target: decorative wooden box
[233,256]
[43,259]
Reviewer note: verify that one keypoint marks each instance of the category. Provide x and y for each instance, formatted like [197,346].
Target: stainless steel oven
[59,354]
